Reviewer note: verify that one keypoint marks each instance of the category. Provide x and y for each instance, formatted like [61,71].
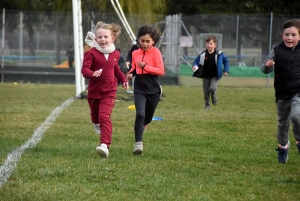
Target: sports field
[226,153]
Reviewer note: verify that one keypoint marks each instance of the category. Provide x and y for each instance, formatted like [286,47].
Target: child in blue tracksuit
[210,65]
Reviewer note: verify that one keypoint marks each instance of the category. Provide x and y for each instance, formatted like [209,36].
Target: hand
[194,68]
[129,76]
[270,63]
[127,63]
[97,73]
[140,64]
[225,73]
[125,85]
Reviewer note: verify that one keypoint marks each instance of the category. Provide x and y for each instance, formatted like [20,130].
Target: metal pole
[189,35]
[76,46]
[21,37]
[270,43]
[82,83]
[132,37]
[37,40]
[3,41]
[55,41]
[125,20]
[237,37]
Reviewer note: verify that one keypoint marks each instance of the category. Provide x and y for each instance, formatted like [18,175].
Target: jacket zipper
[145,89]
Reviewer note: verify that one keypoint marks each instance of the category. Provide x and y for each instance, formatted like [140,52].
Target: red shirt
[107,82]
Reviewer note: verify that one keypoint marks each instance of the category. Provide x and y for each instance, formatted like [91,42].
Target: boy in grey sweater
[284,59]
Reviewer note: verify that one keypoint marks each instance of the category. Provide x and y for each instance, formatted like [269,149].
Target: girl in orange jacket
[147,66]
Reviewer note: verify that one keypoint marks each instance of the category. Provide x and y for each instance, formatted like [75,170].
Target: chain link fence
[41,39]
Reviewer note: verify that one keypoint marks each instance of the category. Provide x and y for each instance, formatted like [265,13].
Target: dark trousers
[70,61]
[288,110]
[209,88]
[145,106]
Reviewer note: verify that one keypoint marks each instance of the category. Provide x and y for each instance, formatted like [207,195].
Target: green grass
[226,153]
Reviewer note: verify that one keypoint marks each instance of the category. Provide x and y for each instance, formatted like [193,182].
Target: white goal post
[78,46]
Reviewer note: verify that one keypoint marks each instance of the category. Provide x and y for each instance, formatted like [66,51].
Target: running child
[100,66]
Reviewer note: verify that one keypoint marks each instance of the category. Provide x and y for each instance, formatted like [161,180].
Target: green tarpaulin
[237,71]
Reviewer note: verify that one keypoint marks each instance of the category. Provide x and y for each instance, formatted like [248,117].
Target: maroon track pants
[100,110]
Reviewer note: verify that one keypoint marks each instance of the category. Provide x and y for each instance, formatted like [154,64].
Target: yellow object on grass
[131,107]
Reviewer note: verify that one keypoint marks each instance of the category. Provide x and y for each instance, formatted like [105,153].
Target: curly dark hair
[153,33]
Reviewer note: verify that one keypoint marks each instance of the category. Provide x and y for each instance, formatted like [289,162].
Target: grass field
[225,153]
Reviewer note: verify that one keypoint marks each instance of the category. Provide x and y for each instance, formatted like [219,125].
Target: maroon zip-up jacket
[107,82]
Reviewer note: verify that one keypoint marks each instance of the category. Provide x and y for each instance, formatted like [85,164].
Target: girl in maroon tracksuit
[100,66]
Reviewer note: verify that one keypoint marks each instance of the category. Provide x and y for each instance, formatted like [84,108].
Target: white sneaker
[97,128]
[138,149]
[102,151]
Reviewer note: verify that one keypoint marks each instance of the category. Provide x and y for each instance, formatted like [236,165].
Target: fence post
[21,38]
[270,42]
[3,40]
[237,37]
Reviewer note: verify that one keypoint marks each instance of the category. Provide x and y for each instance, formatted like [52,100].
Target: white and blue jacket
[221,60]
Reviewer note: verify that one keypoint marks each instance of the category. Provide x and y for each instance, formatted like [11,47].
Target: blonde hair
[114,28]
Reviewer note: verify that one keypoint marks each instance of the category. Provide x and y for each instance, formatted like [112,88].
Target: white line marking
[11,161]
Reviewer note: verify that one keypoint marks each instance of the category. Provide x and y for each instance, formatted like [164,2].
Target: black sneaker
[214,101]
[207,106]
[283,153]
[298,145]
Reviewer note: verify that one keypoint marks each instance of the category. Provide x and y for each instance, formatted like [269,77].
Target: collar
[90,40]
